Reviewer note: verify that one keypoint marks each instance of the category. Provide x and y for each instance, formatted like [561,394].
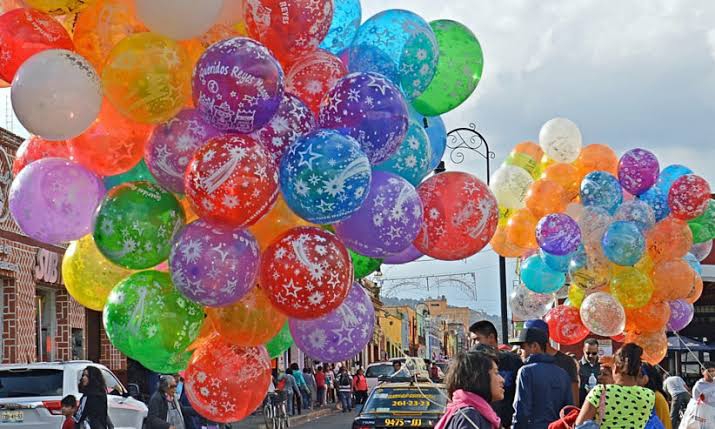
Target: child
[69,407]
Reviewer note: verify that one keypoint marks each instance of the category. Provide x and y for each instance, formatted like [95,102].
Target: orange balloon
[654,344]
[193,49]
[277,221]
[230,23]
[696,290]
[521,229]
[207,333]
[251,321]
[597,157]
[503,247]
[673,279]
[544,197]
[669,239]
[112,145]
[650,318]
[8,5]
[102,25]
[527,156]
[188,211]
[529,148]
[565,175]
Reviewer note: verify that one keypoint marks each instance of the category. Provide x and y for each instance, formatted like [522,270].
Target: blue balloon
[694,263]
[557,262]
[601,189]
[539,278]
[411,161]
[436,131]
[637,211]
[325,176]
[347,15]
[578,259]
[623,243]
[400,45]
[669,175]
[138,173]
[658,201]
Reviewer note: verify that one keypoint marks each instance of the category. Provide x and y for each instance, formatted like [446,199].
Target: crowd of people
[543,388]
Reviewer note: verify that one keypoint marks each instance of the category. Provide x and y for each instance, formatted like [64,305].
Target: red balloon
[619,338]
[460,216]
[290,29]
[35,148]
[25,32]
[688,197]
[225,383]
[313,75]
[565,326]
[231,180]
[306,272]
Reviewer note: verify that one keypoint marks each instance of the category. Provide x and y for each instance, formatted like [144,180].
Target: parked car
[30,395]
[375,371]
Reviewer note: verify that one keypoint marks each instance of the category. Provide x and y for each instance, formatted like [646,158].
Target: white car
[30,395]
[376,370]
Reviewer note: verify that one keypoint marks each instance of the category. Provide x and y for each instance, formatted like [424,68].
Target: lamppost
[465,140]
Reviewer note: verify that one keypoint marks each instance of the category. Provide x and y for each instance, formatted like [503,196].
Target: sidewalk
[256,421]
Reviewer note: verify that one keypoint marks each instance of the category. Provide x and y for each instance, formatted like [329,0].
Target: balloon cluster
[623,237]
[226,170]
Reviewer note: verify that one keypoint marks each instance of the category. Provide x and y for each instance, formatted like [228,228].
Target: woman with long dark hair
[92,410]
[473,382]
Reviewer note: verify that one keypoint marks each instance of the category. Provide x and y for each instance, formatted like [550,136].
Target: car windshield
[379,370]
[30,382]
[407,399]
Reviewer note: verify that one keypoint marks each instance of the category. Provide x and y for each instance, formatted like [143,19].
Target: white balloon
[179,19]
[527,305]
[510,185]
[560,139]
[56,94]
[602,314]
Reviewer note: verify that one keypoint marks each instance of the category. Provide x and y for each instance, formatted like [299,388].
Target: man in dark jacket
[164,409]
[484,336]
[542,388]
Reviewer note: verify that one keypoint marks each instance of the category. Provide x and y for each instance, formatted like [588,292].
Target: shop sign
[47,267]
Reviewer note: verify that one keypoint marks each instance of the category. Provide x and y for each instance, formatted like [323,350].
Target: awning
[685,343]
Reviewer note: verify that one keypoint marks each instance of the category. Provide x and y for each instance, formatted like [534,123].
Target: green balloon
[147,319]
[363,265]
[138,173]
[703,226]
[458,71]
[170,364]
[135,224]
[280,343]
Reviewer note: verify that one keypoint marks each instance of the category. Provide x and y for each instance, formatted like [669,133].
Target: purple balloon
[558,234]
[238,85]
[214,265]
[387,222]
[681,314]
[369,108]
[292,120]
[638,171]
[54,200]
[340,334]
[408,255]
[172,144]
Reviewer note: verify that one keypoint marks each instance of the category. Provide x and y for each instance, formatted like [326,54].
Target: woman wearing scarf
[473,382]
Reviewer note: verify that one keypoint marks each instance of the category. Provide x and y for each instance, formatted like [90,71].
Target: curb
[323,412]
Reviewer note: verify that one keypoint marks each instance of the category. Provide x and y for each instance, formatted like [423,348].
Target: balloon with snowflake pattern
[412,159]
[340,334]
[313,75]
[34,148]
[306,272]
[369,108]
[347,15]
[231,181]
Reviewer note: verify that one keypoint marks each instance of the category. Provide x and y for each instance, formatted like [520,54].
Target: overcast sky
[636,73]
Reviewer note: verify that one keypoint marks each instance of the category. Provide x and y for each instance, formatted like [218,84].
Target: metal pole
[503,300]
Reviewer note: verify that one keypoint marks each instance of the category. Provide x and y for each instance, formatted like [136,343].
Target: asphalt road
[336,421]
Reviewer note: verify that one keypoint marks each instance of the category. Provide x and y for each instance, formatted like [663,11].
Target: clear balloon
[325,176]
[558,234]
[601,189]
[638,212]
[631,288]
[527,305]
[702,250]
[347,15]
[460,216]
[688,197]
[681,314]
[179,19]
[510,185]
[565,325]
[292,120]
[56,94]
[146,77]
[539,277]
[280,343]
[34,148]
[560,139]
[213,265]
[231,181]
[370,109]
[623,243]
[250,321]
[411,161]
[593,223]
[311,76]
[340,334]
[53,200]
[602,314]
[638,171]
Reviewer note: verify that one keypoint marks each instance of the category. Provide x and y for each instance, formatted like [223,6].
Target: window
[46,326]
[30,382]
[378,370]
[114,387]
[406,400]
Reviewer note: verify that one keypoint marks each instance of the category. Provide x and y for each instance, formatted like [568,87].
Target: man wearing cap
[561,359]
[542,388]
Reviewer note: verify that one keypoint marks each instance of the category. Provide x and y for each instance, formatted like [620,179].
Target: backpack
[345,380]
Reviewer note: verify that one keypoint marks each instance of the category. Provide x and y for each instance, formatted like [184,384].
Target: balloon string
[690,352]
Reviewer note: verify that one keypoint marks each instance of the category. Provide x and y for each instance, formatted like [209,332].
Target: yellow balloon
[576,296]
[59,7]
[88,275]
[631,288]
[147,77]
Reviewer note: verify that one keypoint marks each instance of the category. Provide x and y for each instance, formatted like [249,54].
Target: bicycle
[275,413]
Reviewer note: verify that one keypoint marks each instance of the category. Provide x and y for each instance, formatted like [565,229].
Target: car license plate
[414,423]
[11,417]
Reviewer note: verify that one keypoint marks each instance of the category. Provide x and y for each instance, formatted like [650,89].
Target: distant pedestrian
[92,407]
[164,409]
[320,382]
[434,373]
[302,385]
[705,387]
[312,395]
[360,387]
[292,393]
[589,368]
[345,389]
[679,397]
[330,385]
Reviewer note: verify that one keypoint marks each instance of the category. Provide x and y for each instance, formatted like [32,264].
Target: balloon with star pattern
[34,148]
[306,272]
[313,75]
[347,15]
[412,159]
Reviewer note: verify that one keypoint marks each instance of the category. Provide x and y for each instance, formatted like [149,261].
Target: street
[335,421]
